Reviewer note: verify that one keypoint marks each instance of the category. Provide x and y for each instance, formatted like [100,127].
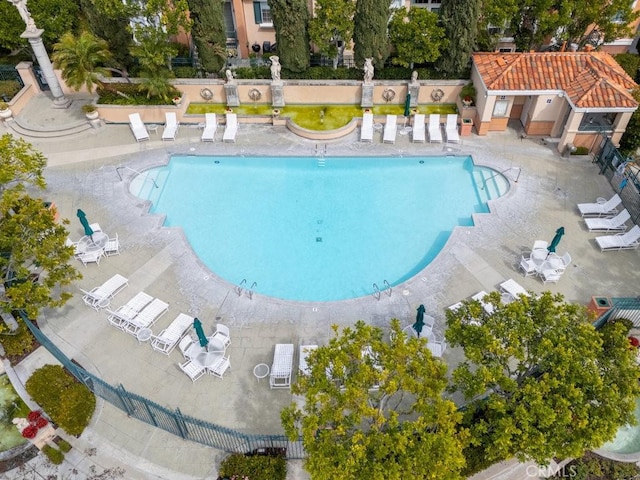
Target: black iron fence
[170,420]
[622,175]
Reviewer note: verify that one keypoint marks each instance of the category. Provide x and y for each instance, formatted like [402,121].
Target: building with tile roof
[575,97]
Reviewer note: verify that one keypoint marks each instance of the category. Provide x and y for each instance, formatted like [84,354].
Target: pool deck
[84,172]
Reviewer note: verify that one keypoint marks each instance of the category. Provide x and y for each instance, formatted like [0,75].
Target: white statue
[368,70]
[275,68]
[229,75]
[21,5]
[20,423]
[414,77]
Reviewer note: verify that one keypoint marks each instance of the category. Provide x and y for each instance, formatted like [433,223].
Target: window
[500,108]
[262,13]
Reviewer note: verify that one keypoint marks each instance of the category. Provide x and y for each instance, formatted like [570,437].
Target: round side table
[261,371]
[144,334]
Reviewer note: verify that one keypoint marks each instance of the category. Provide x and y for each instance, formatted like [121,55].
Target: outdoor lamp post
[34,35]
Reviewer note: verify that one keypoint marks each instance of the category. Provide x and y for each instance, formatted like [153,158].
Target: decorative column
[34,35]
[367,84]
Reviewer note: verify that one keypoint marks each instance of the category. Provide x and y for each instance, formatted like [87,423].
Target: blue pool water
[318,229]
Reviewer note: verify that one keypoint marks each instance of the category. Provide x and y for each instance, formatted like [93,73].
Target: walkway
[82,174]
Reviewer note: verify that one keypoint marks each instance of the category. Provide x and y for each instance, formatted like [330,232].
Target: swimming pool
[314,228]
[627,440]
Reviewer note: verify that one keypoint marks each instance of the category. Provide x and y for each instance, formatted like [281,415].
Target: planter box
[466,125]
[599,305]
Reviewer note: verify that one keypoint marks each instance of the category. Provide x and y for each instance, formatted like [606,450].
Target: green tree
[460,21]
[370,31]
[114,30]
[416,36]
[29,236]
[55,17]
[374,410]
[495,16]
[81,60]
[331,27]
[154,52]
[630,141]
[209,33]
[290,20]
[544,382]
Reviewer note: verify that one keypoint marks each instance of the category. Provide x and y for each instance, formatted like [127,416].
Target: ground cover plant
[65,400]
[254,467]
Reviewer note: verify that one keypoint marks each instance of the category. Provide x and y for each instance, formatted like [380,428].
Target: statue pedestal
[367,95]
[277,94]
[231,94]
[414,91]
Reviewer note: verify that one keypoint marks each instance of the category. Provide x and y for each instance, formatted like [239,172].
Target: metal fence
[170,420]
[622,176]
[622,307]
[8,73]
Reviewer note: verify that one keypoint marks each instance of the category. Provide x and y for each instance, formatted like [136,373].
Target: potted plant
[5,111]
[468,95]
[90,111]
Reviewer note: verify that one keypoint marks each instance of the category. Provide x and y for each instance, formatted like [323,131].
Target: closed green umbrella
[197,325]
[419,320]
[556,240]
[407,105]
[85,223]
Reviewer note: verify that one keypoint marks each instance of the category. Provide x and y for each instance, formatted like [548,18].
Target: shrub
[53,454]
[580,151]
[628,324]
[129,94]
[185,72]
[30,431]
[63,445]
[8,89]
[34,415]
[18,344]
[256,467]
[89,108]
[67,402]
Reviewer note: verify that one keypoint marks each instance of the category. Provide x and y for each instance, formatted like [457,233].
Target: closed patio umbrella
[407,105]
[85,223]
[419,320]
[197,325]
[556,240]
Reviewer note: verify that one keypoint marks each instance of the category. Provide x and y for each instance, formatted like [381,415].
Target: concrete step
[64,130]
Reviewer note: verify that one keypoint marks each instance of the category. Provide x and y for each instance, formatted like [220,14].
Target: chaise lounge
[366,132]
[621,241]
[614,224]
[601,208]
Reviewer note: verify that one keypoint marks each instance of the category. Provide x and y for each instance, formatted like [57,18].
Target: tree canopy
[543,381]
[332,23]
[82,60]
[30,239]
[208,33]
[374,409]
[416,36]
[370,31]
[290,20]
[460,21]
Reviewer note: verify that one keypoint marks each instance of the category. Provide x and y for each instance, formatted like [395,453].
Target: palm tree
[81,60]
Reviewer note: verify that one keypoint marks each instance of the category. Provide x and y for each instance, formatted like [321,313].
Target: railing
[169,420]
[622,307]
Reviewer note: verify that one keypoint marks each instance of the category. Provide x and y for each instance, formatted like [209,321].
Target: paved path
[83,173]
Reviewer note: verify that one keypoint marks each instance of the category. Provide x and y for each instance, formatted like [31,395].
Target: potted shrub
[468,95]
[5,111]
[90,111]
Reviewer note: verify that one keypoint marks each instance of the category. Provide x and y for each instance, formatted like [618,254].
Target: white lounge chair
[513,288]
[435,133]
[112,247]
[280,376]
[451,128]
[418,133]
[146,317]
[305,351]
[614,224]
[137,127]
[231,128]
[210,127]
[219,368]
[127,312]
[390,129]
[622,241]
[366,131]
[192,369]
[602,207]
[168,338]
[479,297]
[99,297]
[170,126]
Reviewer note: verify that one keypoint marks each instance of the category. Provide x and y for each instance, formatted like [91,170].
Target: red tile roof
[589,79]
